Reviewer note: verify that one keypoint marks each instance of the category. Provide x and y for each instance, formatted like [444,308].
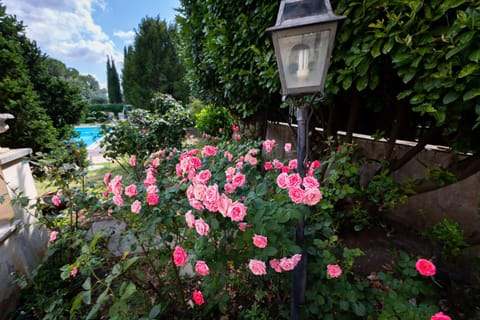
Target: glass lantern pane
[302,8]
[303,58]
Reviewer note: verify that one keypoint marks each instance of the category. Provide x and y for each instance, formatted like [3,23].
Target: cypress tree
[113,82]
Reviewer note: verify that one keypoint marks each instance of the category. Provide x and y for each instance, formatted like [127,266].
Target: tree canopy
[228,54]
[152,64]
[45,106]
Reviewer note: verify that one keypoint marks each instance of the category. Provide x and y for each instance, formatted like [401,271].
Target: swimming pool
[88,134]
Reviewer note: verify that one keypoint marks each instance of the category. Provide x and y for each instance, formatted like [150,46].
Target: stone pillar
[22,242]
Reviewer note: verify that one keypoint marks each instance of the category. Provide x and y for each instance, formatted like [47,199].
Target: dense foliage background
[400,70]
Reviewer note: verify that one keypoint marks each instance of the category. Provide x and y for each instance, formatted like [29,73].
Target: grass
[94,175]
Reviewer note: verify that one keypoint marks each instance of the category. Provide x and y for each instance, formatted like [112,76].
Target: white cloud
[65,30]
[126,36]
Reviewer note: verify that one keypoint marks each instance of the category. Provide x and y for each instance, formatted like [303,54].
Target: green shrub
[212,118]
[146,132]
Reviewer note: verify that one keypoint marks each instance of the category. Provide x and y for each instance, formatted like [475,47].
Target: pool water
[88,134]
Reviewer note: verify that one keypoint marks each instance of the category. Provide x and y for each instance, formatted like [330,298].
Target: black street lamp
[303,38]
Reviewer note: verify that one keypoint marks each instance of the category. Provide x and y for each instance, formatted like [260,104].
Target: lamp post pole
[303,39]
[300,272]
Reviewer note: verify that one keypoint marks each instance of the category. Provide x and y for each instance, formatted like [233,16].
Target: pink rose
[203,177]
[202,268]
[198,297]
[268,145]
[282,180]
[136,207]
[117,199]
[152,199]
[239,180]
[199,191]
[229,188]
[237,211]
[296,194]
[152,189]
[131,190]
[53,236]
[235,128]
[228,155]
[242,226]
[257,267]
[236,136]
[56,200]
[312,196]
[287,147]
[310,182]
[268,166]
[229,173]
[287,264]
[179,256]
[107,177]
[286,169]
[190,219]
[425,267]
[133,161]
[196,204]
[296,259]
[115,186]
[292,164]
[275,265]
[277,164]
[334,270]
[202,227]
[149,180]
[74,272]
[260,241]
[315,164]
[223,203]
[440,316]
[294,180]
[251,160]
[209,151]
[211,194]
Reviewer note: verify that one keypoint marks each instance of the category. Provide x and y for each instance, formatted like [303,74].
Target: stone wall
[458,202]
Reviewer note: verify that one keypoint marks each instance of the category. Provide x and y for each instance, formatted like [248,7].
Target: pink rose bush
[206,224]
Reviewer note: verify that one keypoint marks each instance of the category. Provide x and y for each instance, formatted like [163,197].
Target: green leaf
[409,75]
[388,46]
[129,263]
[87,285]
[418,98]
[359,309]
[404,94]
[425,107]
[468,70]
[471,94]
[100,301]
[362,83]
[129,290]
[76,303]
[450,97]
[474,56]
[376,50]
[347,82]
[155,311]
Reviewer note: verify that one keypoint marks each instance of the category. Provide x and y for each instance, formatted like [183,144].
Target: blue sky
[81,33]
